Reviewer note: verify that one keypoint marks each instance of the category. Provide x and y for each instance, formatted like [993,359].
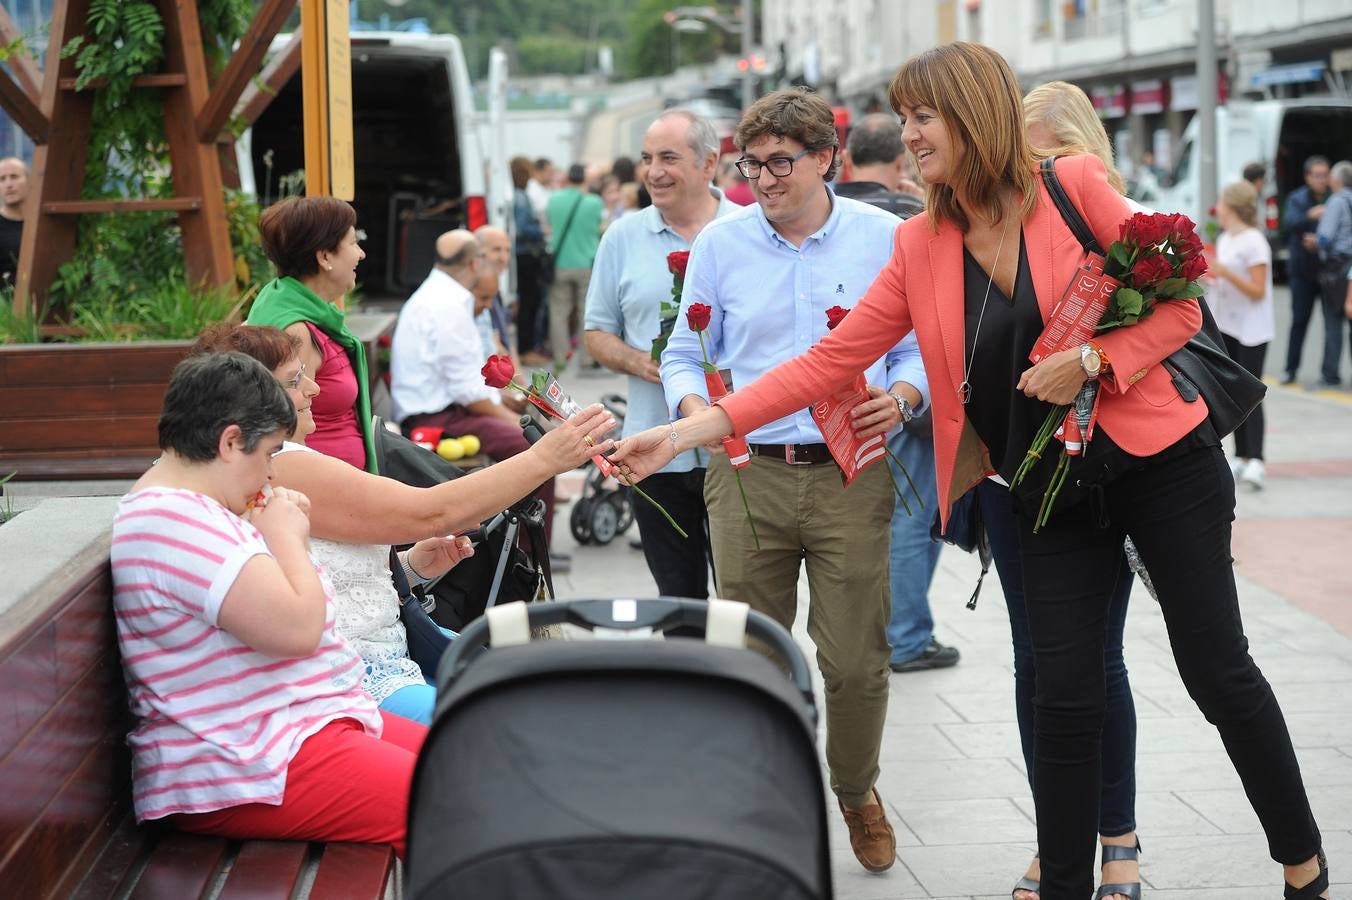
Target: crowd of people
[267,666]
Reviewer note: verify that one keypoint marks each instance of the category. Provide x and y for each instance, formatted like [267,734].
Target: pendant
[965,392]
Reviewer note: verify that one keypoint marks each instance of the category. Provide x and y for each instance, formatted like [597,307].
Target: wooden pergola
[197,111]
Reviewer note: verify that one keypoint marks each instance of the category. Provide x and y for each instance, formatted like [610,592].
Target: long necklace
[965,389]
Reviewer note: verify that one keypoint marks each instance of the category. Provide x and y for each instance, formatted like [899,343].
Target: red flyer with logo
[832,416]
[1077,314]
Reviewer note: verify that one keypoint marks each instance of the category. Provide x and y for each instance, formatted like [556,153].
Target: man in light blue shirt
[1335,251]
[769,273]
[629,281]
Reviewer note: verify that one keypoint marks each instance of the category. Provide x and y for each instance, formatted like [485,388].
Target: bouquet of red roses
[547,395]
[719,384]
[1157,257]
[677,260]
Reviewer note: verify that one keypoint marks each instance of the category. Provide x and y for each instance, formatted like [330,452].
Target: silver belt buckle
[791,456]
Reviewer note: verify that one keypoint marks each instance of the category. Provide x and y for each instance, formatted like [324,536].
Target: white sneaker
[1252,475]
[1236,465]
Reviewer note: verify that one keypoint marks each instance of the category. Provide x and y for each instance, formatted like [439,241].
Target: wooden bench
[66,829]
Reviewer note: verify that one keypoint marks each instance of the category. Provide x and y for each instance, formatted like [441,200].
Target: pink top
[337,432]
[217,722]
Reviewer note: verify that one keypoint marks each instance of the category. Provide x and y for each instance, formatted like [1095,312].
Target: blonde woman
[1061,121]
[1241,298]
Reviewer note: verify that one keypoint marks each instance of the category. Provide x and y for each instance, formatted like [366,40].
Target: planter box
[70,411]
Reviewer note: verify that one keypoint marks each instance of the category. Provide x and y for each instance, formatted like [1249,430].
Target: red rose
[498,371]
[1195,267]
[1183,226]
[677,260]
[1151,269]
[835,315]
[697,316]
[1134,228]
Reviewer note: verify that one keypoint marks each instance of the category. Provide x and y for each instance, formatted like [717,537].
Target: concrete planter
[74,411]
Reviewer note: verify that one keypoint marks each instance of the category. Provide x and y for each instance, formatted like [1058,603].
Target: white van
[1281,134]
[420,168]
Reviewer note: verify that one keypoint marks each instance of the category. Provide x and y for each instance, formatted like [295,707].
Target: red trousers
[342,785]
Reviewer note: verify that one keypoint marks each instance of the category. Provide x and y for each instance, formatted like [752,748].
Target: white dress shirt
[436,355]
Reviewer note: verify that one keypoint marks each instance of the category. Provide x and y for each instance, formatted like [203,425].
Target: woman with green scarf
[313,243]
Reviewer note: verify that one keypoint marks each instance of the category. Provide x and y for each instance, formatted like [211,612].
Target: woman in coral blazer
[1155,471]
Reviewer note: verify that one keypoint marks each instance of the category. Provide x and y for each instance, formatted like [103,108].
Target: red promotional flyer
[832,416]
[1079,311]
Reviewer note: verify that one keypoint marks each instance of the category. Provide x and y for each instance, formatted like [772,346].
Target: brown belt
[795,454]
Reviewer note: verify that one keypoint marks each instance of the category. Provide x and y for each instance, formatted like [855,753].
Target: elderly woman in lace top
[356,516]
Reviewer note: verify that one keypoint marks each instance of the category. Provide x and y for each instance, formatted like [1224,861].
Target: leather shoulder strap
[1074,221]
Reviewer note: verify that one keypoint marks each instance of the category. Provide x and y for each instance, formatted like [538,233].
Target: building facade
[1135,58]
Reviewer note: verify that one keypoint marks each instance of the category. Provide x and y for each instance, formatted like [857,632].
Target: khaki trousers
[802,513]
[567,303]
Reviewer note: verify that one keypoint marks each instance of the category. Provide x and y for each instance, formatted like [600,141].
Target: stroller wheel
[579,520]
[624,509]
[605,519]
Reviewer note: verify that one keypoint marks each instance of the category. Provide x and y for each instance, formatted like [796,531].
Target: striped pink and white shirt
[218,722]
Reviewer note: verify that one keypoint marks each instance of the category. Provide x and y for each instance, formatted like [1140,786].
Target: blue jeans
[1117,795]
[914,556]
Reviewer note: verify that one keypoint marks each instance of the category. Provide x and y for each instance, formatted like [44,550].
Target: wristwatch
[907,414]
[1090,360]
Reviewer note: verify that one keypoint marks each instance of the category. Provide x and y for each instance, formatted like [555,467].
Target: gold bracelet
[674,449]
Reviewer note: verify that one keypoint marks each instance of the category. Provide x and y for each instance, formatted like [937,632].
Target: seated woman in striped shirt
[250,717]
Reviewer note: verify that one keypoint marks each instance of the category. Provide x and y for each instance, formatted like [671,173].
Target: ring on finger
[587,439]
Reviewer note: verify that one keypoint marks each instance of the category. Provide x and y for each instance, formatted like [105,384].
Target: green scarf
[285,301]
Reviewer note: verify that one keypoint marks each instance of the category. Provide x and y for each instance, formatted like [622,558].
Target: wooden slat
[58,165]
[21,108]
[261,91]
[24,436]
[265,870]
[353,872]
[80,207]
[21,63]
[73,365]
[242,67]
[93,400]
[114,864]
[196,166]
[180,867]
[58,468]
[157,80]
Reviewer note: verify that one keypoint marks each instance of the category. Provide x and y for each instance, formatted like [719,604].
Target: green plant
[15,327]
[7,512]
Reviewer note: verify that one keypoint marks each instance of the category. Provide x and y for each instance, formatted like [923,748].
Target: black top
[11,233]
[874,194]
[1003,416]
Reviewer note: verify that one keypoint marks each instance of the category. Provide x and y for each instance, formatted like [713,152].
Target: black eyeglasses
[779,166]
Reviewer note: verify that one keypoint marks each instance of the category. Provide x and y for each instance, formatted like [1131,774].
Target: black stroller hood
[619,769]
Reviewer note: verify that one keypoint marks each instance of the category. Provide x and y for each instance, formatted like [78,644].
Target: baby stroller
[605,508]
[620,768]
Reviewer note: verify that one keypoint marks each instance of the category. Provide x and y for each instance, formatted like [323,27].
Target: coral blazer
[921,288]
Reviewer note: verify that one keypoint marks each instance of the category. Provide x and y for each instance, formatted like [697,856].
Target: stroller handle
[662,614]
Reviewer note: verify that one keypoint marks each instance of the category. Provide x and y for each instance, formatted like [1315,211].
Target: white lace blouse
[358,579]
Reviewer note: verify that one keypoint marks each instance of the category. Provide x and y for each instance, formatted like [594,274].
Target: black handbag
[510,563]
[426,642]
[966,532]
[1201,367]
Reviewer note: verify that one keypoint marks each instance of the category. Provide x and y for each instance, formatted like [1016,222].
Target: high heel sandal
[1129,889]
[1032,885]
[1316,887]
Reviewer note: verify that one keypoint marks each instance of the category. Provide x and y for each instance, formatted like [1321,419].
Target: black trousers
[1178,511]
[531,317]
[679,566]
[1249,436]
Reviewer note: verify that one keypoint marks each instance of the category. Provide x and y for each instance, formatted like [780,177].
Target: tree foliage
[548,36]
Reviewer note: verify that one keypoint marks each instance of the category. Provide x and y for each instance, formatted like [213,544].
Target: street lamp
[702,14]
[691,26]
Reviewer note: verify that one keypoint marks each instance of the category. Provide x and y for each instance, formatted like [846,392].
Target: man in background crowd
[1304,208]
[13,198]
[1335,250]
[575,216]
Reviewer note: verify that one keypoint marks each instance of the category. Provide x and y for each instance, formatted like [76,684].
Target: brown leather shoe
[871,837]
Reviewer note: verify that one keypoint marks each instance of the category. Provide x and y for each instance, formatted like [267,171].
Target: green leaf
[1129,301]
[1192,290]
[1170,287]
[1118,254]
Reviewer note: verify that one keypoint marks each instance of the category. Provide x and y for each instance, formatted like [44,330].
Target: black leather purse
[1201,367]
